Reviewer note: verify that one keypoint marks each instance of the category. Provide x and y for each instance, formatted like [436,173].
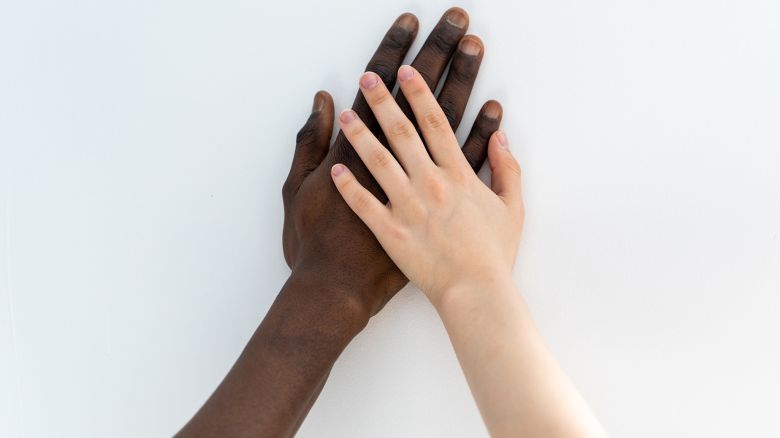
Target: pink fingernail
[405,73]
[347,116]
[337,169]
[502,140]
[369,80]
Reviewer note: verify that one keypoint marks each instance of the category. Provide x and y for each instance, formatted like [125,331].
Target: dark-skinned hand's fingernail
[319,103]
[457,17]
[492,110]
[470,46]
[407,22]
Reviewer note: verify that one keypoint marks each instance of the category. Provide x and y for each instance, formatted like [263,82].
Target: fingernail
[347,116]
[492,110]
[337,169]
[405,73]
[319,103]
[369,80]
[502,140]
[470,46]
[407,22]
[457,17]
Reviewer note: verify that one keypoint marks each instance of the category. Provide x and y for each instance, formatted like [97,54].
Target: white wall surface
[144,145]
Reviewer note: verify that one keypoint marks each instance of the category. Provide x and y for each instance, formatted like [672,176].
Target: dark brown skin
[340,276]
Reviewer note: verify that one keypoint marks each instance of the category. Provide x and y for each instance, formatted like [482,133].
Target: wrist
[280,372]
[323,304]
[474,292]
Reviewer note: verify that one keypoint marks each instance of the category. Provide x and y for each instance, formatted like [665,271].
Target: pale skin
[456,239]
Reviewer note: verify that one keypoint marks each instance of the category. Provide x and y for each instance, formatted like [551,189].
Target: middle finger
[398,129]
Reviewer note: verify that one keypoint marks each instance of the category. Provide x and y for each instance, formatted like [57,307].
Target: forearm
[516,382]
[278,376]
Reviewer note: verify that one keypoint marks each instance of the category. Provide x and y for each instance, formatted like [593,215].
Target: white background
[144,145]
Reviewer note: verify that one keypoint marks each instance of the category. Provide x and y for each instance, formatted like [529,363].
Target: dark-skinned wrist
[279,374]
[318,306]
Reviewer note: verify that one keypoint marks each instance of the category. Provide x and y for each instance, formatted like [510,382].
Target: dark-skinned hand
[317,221]
[340,274]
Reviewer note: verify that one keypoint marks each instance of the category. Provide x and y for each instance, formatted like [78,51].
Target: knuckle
[381,158]
[435,188]
[402,129]
[416,208]
[347,186]
[381,97]
[356,130]
[395,232]
[441,43]
[396,39]
[360,200]
[417,89]
[464,71]
[435,120]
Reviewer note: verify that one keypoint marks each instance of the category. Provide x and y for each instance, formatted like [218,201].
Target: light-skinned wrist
[468,292]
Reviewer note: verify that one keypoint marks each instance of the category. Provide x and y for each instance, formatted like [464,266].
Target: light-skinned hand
[441,225]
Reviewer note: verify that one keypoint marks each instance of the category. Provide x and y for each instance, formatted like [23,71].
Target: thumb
[505,177]
[311,143]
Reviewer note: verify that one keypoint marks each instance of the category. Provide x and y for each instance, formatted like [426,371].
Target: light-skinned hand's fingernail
[347,116]
[502,140]
[337,169]
[405,73]
[369,80]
